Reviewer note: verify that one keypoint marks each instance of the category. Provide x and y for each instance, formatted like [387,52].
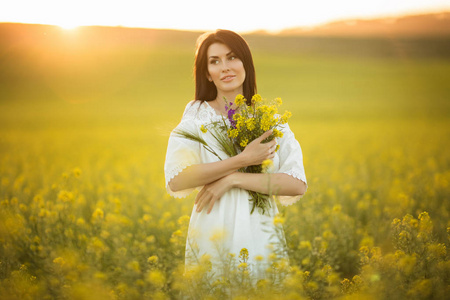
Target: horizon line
[268,31]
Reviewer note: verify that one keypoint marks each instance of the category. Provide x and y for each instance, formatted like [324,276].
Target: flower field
[83,209]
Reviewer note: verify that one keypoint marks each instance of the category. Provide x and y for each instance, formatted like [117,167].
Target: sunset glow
[205,15]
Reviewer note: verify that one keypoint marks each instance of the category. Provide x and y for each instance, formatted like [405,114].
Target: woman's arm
[201,174]
[275,184]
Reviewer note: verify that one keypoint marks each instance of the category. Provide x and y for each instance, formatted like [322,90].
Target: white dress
[229,226]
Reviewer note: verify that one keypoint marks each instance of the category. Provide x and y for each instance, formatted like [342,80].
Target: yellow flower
[233,133]
[285,117]
[242,266]
[243,254]
[152,259]
[177,233]
[59,261]
[65,196]
[156,278]
[278,220]
[76,172]
[183,220]
[217,236]
[256,98]
[259,257]
[305,245]
[278,101]
[266,164]
[277,133]
[203,129]
[80,222]
[240,122]
[244,143]
[134,266]
[98,214]
[240,100]
[250,124]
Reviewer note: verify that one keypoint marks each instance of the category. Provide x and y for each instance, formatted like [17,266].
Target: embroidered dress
[229,226]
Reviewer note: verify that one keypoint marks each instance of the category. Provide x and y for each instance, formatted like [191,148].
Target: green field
[84,122]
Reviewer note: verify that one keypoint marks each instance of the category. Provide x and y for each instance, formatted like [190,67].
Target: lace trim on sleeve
[170,175]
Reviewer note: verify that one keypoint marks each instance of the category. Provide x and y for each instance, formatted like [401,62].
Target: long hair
[206,90]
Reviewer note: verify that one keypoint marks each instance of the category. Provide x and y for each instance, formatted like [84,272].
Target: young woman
[221,220]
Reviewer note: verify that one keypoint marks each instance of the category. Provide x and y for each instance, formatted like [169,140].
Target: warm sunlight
[69,25]
[206,15]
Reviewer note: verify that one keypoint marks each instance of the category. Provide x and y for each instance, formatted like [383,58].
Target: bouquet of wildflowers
[244,124]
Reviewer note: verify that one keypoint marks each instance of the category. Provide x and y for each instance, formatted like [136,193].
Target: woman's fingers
[204,200]
[211,204]
[200,199]
[265,135]
[201,203]
[200,194]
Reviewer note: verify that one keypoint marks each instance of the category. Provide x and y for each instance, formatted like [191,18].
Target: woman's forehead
[218,49]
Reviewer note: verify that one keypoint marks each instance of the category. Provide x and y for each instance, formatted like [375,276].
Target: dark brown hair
[206,90]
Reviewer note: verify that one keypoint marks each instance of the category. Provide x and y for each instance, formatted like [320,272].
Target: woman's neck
[230,96]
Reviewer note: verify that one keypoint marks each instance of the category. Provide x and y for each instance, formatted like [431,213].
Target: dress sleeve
[291,161]
[181,153]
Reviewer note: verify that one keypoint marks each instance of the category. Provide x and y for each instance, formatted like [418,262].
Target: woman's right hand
[256,152]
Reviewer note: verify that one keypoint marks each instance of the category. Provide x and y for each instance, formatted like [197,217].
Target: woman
[221,221]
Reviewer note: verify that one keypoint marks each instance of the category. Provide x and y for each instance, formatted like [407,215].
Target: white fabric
[230,217]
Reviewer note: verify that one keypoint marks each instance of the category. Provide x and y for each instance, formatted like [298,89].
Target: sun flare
[68,25]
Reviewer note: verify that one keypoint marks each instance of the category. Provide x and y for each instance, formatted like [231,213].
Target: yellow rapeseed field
[84,213]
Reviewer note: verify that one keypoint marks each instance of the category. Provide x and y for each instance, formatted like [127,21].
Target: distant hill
[437,24]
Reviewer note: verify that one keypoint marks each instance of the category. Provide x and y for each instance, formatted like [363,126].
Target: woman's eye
[232,57]
[214,62]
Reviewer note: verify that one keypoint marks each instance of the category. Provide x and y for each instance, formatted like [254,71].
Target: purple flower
[230,117]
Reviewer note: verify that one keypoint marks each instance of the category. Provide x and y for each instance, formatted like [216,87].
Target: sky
[204,15]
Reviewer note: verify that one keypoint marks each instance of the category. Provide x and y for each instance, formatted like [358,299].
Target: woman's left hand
[212,192]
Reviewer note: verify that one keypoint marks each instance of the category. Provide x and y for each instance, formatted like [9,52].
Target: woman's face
[225,70]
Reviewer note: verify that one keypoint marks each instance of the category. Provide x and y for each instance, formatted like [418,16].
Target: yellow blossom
[243,254]
[76,172]
[240,100]
[278,220]
[266,164]
[156,278]
[305,245]
[259,257]
[98,214]
[65,196]
[250,123]
[203,129]
[152,259]
[256,98]
[59,261]
[277,133]
[134,266]
[233,133]
[242,265]
[244,143]
[285,117]
[80,222]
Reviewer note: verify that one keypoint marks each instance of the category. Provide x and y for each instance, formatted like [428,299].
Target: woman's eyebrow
[228,54]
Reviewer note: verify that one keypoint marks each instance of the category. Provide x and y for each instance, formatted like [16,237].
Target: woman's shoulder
[191,109]
[198,110]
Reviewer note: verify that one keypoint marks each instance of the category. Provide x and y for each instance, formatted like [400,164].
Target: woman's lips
[228,78]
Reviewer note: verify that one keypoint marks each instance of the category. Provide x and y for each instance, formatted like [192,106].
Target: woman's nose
[225,66]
